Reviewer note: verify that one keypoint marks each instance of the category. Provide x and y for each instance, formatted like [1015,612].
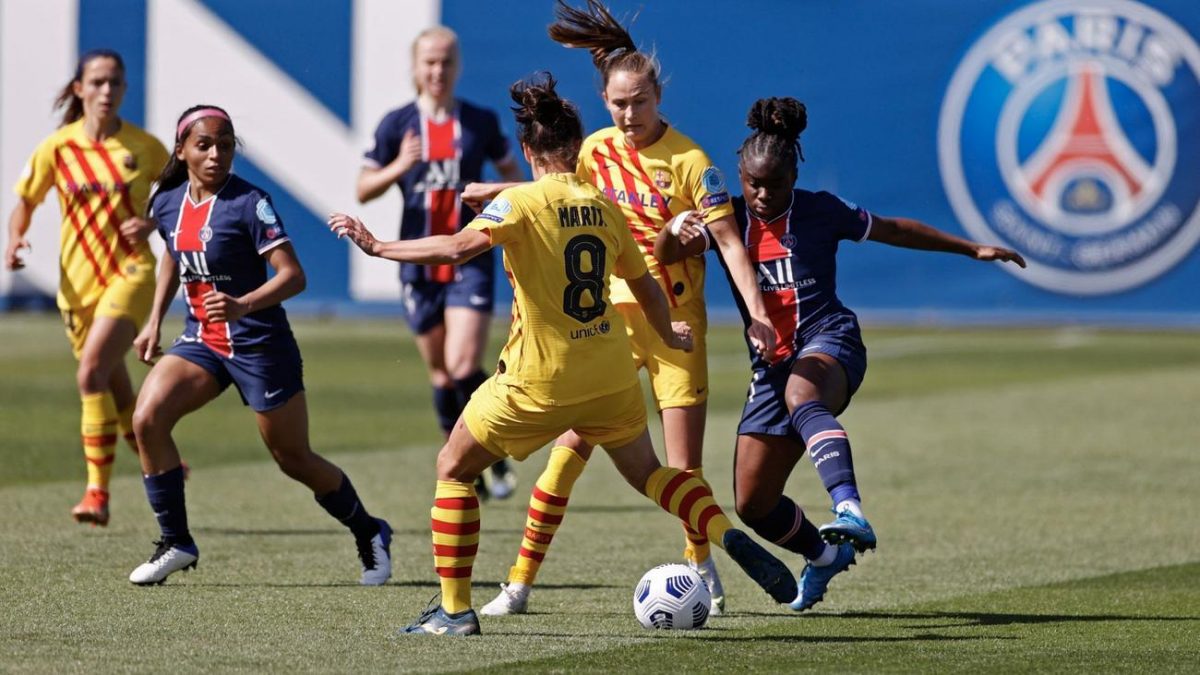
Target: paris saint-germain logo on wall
[1071,132]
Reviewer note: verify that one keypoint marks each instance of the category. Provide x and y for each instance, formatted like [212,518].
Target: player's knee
[294,461]
[752,508]
[90,377]
[798,396]
[147,423]
[440,378]
[452,466]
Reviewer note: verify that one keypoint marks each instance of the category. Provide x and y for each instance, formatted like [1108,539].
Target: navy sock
[843,491]
[787,527]
[445,404]
[467,386]
[827,444]
[344,504]
[165,494]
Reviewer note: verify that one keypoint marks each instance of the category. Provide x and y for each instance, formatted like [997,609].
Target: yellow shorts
[677,379]
[129,297]
[510,424]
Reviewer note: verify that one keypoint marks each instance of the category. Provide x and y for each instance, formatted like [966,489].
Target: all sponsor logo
[1070,131]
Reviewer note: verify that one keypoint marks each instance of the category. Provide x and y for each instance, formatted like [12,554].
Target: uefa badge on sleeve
[1071,132]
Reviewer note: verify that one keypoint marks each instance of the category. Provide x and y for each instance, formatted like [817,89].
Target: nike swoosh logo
[273,394]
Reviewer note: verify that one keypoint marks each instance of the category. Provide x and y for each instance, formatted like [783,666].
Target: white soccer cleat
[167,559]
[708,572]
[513,599]
[376,557]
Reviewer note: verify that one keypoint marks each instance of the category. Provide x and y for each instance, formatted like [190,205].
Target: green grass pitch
[1035,494]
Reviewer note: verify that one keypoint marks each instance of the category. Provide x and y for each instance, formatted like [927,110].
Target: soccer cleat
[765,569]
[168,558]
[815,580]
[93,508]
[848,528]
[708,572]
[376,556]
[435,621]
[504,480]
[513,599]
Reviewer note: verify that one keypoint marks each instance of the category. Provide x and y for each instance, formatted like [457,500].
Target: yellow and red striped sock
[696,546]
[98,427]
[455,523]
[690,499]
[125,426]
[547,506]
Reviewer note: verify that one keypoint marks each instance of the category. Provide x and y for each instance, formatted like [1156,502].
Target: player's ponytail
[547,124]
[66,96]
[598,31]
[777,125]
[176,172]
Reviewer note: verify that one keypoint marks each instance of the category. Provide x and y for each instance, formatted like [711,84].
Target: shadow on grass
[707,636]
[963,619]
[250,532]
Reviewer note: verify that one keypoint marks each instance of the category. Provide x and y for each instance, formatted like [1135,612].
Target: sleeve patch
[713,180]
[498,208]
[265,213]
[714,200]
[492,217]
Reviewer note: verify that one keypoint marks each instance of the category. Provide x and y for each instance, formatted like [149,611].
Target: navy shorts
[766,410]
[266,375]
[425,302]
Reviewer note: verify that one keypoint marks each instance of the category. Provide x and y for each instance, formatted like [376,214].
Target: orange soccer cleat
[93,508]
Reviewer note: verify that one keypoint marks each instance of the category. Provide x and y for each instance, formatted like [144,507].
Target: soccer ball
[671,597]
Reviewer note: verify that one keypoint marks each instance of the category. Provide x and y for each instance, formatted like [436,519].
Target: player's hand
[999,253]
[146,344]
[352,228]
[410,152]
[762,337]
[476,195]
[221,307]
[136,230]
[689,227]
[682,336]
[13,258]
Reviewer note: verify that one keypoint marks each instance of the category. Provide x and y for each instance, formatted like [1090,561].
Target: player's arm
[440,249]
[475,195]
[18,225]
[685,236]
[288,281]
[725,233]
[373,181]
[909,233]
[146,344]
[676,335]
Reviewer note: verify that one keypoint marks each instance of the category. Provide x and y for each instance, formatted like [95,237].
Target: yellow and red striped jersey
[563,245]
[652,185]
[100,184]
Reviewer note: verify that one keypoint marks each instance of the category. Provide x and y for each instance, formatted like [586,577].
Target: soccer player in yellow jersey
[102,168]
[659,178]
[566,363]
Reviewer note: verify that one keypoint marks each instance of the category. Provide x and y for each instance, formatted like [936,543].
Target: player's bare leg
[683,438]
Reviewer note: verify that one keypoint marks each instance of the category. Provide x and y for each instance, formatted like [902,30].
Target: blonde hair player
[659,178]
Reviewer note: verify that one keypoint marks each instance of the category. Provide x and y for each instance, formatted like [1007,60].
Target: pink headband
[199,114]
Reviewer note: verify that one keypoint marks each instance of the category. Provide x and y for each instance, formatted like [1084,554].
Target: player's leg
[468,317]
[762,464]
[284,430]
[819,385]
[175,387]
[125,399]
[547,508]
[106,341]
[618,423]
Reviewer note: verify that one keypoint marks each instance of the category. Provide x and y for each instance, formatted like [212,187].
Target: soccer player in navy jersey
[221,234]
[430,148]
[819,361]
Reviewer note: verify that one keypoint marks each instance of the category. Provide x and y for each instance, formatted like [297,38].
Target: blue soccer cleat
[436,621]
[815,580]
[765,569]
[848,528]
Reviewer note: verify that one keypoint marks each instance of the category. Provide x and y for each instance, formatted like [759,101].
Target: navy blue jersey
[453,152]
[795,257]
[219,245]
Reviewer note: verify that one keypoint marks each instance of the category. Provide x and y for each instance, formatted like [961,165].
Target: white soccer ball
[671,597]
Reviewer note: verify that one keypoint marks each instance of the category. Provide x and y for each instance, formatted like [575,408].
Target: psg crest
[1071,132]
